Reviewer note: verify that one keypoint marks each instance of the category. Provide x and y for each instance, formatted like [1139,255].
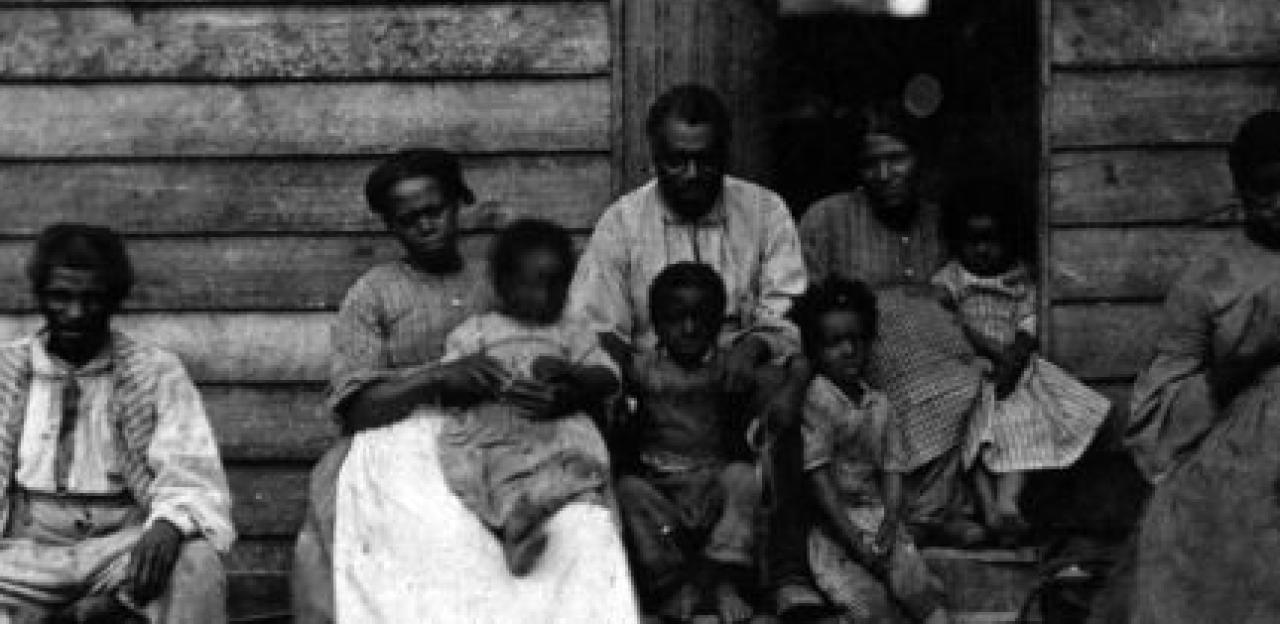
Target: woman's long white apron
[407,550]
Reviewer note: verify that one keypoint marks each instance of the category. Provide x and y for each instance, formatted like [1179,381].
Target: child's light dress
[1049,418]
[496,458]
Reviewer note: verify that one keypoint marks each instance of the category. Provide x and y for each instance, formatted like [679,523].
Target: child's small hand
[886,537]
[871,556]
[549,369]
[538,398]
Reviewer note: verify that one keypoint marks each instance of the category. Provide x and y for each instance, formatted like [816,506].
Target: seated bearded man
[115,505]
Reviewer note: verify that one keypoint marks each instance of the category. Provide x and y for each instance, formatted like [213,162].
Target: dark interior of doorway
[982,54]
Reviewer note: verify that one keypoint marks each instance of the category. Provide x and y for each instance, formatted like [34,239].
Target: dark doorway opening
[967,72]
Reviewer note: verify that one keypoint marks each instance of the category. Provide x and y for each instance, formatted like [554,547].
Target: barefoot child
[689,506]
[512,465]
[862,555]
[1033,415]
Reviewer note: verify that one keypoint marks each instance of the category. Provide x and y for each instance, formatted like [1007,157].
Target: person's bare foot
[683,604]
[524,538]
[730,605]
[1009,522]
[523,551]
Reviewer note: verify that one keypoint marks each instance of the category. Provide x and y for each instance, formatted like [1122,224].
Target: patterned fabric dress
[1207,544]
[1049,418]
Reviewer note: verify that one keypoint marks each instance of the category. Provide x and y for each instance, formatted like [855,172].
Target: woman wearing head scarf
[1206,419]
[386,539]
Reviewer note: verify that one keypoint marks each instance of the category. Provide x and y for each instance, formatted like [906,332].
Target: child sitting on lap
[1033,415]
[862,556]
[690,504]
[512,467]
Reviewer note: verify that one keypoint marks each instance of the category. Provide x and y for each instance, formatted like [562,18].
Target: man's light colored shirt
[749,238]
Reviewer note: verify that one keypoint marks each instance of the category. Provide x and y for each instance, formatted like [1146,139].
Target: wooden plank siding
[728,46]
[263,195]
[229,142]
[1142,99]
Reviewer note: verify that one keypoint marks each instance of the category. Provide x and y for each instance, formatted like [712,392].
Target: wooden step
[987,586]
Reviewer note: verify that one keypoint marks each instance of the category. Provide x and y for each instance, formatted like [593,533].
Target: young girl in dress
[1032,414]
[514,468]
[862,556]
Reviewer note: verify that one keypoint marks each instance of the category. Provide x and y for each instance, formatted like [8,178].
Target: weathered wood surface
[1088,32]
[167,119]
[269,500]
[1104,340]
[216,196]
[728,46]
[229,347]
[1137,107]
[1125,263]
[1141,186]
[257,596]
[269,422]
[308,43]
[237,273]
[299,273]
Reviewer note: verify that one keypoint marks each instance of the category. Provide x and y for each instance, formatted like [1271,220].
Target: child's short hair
[835,293]
[523,236]
[80,246]
[993,197]
[687,275]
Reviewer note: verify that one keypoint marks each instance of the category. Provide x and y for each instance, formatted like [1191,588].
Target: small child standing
[862,556]
[689,507]
[512,464]
[1032,414]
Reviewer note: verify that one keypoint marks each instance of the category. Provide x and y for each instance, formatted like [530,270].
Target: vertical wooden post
[728,46]
[1044,209]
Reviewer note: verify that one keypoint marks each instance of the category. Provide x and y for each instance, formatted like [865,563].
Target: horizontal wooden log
[237,273]
[294,196]
[271,422]
[1140,186]
[260,554]
[166,119]
[1104,340]
[268,500]
[308,43]
[258,598]
[1164,31]
[1125,263]
[233,347]
[1137,107]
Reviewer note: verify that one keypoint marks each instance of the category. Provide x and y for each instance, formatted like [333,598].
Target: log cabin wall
[1143,98]
[229,142]
[728,45]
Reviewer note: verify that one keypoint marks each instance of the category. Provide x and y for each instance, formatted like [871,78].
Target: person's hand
[870,555]
[474,376]
[539,399]
[1008,372]
[886,537]
[152,559]
[741,363]
[551,369]
[780,412]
